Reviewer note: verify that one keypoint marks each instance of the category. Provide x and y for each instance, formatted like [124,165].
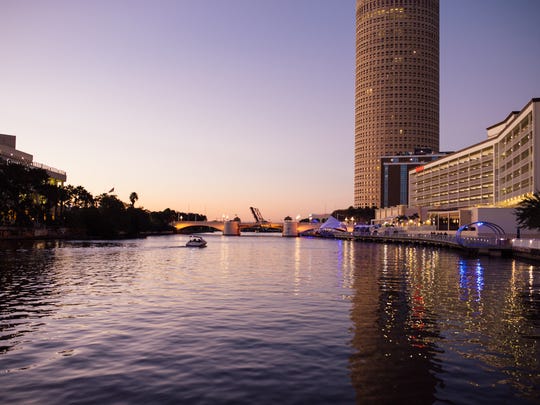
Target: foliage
[20,190]
[28,198]
[79,197]
[133,197]
[528,212]
[360,215]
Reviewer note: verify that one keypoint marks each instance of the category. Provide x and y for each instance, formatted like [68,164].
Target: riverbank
[528,249]
[20,233]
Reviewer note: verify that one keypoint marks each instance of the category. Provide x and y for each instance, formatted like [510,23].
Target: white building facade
[496,173]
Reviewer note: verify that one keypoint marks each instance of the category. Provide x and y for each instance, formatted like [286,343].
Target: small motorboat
[196,241]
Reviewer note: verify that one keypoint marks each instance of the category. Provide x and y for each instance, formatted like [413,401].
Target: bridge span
[230,228]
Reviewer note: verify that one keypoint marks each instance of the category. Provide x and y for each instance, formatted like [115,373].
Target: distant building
[395,175]
[397,87]
[10,155]
[496,173]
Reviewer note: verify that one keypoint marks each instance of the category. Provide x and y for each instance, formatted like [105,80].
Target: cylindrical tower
[290,228]
[397,86]
[231,228]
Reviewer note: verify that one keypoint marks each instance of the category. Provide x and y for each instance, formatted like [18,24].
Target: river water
[264,320]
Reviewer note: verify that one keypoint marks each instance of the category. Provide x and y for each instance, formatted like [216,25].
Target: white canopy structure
[332,224]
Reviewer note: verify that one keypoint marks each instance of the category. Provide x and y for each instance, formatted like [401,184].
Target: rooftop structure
[10,155]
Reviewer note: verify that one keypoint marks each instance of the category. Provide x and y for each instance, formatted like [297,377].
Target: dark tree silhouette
[528,212]
[133,197]
[360,215]
[20,190]
[28,198]
[79,197]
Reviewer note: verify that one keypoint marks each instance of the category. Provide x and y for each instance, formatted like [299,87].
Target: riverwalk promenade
[484,245]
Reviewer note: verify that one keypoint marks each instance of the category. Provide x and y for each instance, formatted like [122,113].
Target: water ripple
[263,320]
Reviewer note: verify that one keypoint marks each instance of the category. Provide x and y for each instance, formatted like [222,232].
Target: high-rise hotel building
[397,87]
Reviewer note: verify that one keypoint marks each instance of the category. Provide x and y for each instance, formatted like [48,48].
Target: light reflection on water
[262,319]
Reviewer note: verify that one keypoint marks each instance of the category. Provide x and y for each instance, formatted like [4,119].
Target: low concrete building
[10,155]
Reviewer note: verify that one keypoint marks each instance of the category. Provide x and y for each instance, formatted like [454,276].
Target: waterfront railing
[526,243]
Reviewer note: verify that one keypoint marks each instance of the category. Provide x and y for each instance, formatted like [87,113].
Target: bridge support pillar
[290,229]
[231,228]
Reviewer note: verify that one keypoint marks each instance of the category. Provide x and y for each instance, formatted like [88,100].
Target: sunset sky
[213,106]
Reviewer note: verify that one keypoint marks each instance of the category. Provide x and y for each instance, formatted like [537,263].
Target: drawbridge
[260,225]
[257,215]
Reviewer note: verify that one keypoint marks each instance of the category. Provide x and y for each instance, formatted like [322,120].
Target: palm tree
[133,197]
[528,212]
[81,198]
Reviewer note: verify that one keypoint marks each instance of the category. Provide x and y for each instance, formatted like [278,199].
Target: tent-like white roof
[333,223]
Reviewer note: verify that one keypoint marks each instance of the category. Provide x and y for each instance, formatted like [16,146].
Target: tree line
[361,215]
[28,198]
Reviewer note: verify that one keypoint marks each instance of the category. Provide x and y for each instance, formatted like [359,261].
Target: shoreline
[45,234]
[524,249]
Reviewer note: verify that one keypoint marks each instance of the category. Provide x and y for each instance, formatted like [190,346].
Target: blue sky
[213,106]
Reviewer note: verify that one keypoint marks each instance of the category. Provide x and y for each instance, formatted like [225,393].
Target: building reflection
[394,330]
[414,311]
[471,280]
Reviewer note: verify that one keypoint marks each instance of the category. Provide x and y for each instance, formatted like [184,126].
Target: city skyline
[215,106]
